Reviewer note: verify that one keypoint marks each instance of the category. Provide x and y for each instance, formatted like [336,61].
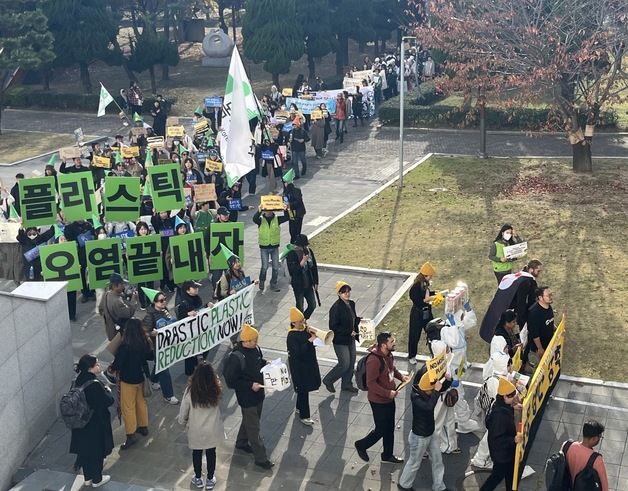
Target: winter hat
[296,315]
[438,347]
[150,293]
[248,333]
[340,284]
[505,387]
[301,240]
[424,384]
[427,269]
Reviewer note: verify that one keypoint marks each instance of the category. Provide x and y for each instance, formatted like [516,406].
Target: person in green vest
[501,264]
[269,236]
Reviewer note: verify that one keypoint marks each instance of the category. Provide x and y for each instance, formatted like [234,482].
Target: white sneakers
[103,481]
[198,483]
[172,400]
[412,361]
[307,421]
[211,483]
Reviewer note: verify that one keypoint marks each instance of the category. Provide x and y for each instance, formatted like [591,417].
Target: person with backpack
[586,467]
[344,322]
[94,441]
[380,383]
[502,436]
[423,436]
[200,413]
[131,367]
[303,364]
[242,373]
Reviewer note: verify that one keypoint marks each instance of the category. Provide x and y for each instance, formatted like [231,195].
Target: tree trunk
[85,78]
[341,53]
[1,104]
[311,67]
[362,47]
[383,47]
[276,79]
[164,67]
[153,84]
[46,76]
[582,157]
[221,17]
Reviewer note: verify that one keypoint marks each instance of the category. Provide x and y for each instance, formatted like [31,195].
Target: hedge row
[521,118]
[23,97]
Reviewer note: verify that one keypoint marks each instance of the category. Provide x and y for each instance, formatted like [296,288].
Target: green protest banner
[231,234]
[143,254]
[78,198]
[60,262]
[38,201]
[167,187]
[188,337]
[122,199]
[104,257]
[188,257]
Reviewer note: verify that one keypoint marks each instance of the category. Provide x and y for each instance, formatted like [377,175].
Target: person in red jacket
[341,118]
[380,381]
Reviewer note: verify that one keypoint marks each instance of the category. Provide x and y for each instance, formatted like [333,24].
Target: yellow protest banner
[545,375]
[205,192]
[272,202]
[316,115]
[286,92]
[129,152]
[516,360]
[213,166]
[201,126]
[436,367]
[175,131]
[104,162]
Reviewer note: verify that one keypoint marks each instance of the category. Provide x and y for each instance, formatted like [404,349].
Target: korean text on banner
[78,199]
[60,262]
[38,201]
[122,199]
[232,236]
[144,262]
[167,187]
[194,335]
[104,257]
[543,380]
[188,257]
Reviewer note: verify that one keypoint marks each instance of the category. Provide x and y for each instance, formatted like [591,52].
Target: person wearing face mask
[501,264]
[30,239]
[114,308]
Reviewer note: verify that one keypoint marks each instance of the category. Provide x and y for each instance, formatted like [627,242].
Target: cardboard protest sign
[286,92]
[272,202]
[172,121]
[201,127]
[8,232]
[436,367]
[104,162]
[143,254]
[38,201]
[67,153]
[60,262]
[129,152]
[188,257]
[194,335]
[78,199]
[205,192]
[175,131]
[167,187]
[155,142]
[138,131]
[122,199]
[231,235]
[104,257]
[213,166]
[516,251]
[276,376]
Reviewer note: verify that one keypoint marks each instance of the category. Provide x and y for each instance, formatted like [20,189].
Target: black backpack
[73,406]
[587,479]
[557,477]
[360,371]
[228,373]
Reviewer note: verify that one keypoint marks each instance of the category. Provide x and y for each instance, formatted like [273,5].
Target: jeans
[249,431]
[501,471]
[340,130]
[269,254]
[298,155]
[418,445]
[344,368]
[251,177]
[384,418]
[306,294]
[303,404]
[165,382]
[197,462]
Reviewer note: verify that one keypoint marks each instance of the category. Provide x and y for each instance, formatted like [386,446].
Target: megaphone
[325,336]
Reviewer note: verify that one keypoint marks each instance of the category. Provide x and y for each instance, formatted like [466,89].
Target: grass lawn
[12,147]
[576,224]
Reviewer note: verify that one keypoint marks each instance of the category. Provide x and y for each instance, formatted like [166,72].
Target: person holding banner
[269,236]
[303,364]
[540,323]
[189,305]
[502,436]
[501,264]
[163,224]
[81,231]
[30,240]
[296,207]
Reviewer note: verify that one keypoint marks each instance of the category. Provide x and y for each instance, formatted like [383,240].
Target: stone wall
[35,368]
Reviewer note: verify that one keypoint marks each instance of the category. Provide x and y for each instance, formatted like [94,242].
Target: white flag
[105,100]
[237,147]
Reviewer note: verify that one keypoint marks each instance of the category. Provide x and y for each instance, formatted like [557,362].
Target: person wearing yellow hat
[421,312]
[344,322]
[502,436]
[303,364]
[242,373]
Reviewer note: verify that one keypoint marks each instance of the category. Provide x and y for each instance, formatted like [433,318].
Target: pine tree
[350,19]
[271,34]
[82,30]
[314,22]
[150,49]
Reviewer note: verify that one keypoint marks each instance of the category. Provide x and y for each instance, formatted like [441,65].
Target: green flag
[13,214]
[182,149]
[231,180]
[288,177]
[58,231]
[147,189]
[137,118]
[150,293]
[149,158]
[119,159]
[226,252]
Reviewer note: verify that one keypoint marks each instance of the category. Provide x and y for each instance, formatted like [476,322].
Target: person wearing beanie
[344,322]
[502,435]
[242,373]
[303,364]
[303,274]
[421,311]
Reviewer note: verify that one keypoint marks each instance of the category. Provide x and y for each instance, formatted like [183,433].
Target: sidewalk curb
[35,157]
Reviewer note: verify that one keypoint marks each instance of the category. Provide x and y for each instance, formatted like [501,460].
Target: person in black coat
[344,322]
[94,441]
[421,312]
[29,239]
[296,209]
[158,112]
[502,436]
[80,231]
[303,274]
[190,304]
[163,224]
[303,364]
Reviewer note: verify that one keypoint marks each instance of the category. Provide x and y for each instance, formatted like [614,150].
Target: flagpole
[115,102]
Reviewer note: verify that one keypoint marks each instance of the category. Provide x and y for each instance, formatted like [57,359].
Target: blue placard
[201,157]
[167,232]
[268,155]
[237,285]
[213,101]
[235,204]
[31,255]
[84,237]
[124,235]
[287,128]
